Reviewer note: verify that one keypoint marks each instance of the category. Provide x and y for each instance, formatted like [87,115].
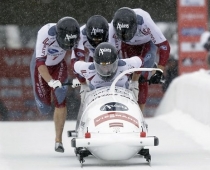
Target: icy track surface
[184,144]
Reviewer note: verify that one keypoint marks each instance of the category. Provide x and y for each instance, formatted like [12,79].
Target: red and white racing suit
[87,71]
[48,52]
[147,41]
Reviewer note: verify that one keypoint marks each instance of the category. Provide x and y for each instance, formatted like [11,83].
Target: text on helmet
[102,50]
[69,37]
[120,26]
[96,30]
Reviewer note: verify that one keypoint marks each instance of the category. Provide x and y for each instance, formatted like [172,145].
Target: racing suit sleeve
[158,39]
[79,52]
[78,65]
[164,52]
[77,55]
[114,40]
[41,55]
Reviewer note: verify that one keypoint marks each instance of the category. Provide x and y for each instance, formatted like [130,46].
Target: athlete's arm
[43,70]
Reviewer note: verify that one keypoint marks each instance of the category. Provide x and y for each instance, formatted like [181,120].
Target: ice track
[30,145]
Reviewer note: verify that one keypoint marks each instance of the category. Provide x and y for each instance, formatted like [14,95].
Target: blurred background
[20,20]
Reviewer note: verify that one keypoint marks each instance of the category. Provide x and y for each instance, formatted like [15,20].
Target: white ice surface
[184,144]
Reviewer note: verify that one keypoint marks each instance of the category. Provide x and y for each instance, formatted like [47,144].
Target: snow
[184,144]
[183,122]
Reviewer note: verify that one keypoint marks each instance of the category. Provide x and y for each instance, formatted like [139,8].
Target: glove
[142,79]
[83,90]
[134,87]
[75,83]
[54,83]
[155,78]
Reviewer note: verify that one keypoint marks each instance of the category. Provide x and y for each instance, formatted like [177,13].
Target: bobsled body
[112,126]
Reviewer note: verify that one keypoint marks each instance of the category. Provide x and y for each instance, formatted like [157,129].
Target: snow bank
[189,93]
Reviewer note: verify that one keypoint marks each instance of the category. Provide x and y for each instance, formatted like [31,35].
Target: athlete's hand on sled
[75,83]
[156,78]
[134,87]
[54,83]
[83,90]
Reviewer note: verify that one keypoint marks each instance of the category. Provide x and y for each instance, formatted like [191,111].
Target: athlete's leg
[42,91]
[59,97]
[59,120]
[149,61]
[60,113]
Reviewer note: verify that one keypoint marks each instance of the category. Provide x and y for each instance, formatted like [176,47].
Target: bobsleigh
[111,126]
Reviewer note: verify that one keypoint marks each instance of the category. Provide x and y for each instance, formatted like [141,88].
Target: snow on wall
[189,93]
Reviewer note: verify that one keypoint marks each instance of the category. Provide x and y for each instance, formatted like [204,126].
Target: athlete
[106,66]
[134,33]
[49,70]
[94,32]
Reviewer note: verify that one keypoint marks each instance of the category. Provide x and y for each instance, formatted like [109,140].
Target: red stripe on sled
[116,115]
[116,124]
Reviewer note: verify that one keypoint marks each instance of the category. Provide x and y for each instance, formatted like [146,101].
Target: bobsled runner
[111,126]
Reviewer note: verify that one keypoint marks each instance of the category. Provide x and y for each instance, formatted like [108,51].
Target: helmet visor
[95,41]
[125,36]
[106,69]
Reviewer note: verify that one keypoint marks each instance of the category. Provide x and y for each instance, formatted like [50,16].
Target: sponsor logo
[69,37]
[45,43]
[192,2]
[114,106]
[191,46]
[163,47]
[120,26]
[52,51]
[103,93]
[40,87]
[102,50]
[192,16]
[80,54]
[196,31]
[146,31]
[115,124]
[116,115]
[96,30]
